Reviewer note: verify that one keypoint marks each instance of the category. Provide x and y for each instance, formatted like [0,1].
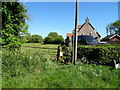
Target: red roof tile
[79,26]
[69,34]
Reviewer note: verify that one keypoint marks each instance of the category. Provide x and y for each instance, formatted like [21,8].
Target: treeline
[52,38]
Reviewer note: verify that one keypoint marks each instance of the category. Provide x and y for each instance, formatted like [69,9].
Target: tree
[113,28]
[27,38]
[13,23]
[59,40]
[110,29]
[116,25]
[53,34]
[48,40]
[53,38]
[36,39]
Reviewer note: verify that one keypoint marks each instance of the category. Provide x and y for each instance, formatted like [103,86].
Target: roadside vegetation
[28,69]
[29,61]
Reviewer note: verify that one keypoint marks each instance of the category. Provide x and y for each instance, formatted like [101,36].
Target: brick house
[85,29]
[111,38]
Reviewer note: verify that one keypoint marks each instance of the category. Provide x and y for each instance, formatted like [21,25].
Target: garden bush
[99,54]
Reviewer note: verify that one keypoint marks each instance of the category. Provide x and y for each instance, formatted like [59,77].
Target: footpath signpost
[74,57]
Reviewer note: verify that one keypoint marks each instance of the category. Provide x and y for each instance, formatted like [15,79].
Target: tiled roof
[109,37]
[79,26]
[69,34]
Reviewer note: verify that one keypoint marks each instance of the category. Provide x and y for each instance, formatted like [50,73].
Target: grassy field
[50,49]
[27,69]
[40,45]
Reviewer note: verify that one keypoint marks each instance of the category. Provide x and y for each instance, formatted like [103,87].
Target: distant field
[40,45]
[50,49]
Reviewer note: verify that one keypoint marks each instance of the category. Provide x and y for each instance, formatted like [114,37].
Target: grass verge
[23,69]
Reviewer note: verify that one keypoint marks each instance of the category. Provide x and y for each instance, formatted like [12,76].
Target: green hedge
[99,54]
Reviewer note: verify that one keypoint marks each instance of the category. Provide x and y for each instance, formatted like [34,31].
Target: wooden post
[73,49]
[58,53]
[75,35]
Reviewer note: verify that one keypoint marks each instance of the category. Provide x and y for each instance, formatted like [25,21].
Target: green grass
[52,52]
[27,69]
[40,45]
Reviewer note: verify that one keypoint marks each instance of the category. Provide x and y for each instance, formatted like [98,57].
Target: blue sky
[46,17]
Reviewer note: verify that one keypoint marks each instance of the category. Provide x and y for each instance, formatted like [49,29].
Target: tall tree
[13,23]
[113,28]
[116,25]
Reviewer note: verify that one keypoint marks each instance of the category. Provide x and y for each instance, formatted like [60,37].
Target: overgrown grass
[23,69]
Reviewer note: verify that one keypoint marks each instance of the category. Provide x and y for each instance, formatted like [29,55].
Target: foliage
[13,23]
[48,40]
[17,63]
[21,69]
[113,28]
[99,54]
[53,38]
[116,24]
[26,37]
[53,34]
[36,39]
[67,54]
[33,38]
[58,40]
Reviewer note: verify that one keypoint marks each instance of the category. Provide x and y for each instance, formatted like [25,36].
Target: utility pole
[74,57]
[119,10]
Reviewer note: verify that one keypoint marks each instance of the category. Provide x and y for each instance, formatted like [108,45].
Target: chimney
[87,20]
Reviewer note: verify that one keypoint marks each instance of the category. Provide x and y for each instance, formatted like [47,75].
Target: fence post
[58,53]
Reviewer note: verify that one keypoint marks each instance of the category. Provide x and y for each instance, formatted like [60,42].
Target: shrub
[99,54]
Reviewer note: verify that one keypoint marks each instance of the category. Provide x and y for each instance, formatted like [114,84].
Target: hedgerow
[103,55]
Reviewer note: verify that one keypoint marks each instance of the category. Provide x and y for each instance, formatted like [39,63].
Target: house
[85,29]
[68,39]
[111,38]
